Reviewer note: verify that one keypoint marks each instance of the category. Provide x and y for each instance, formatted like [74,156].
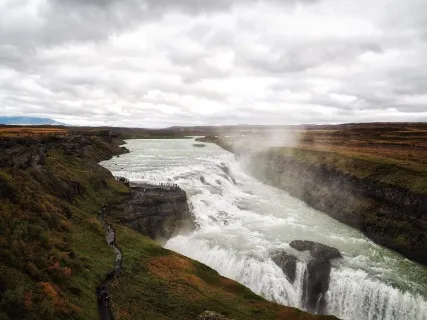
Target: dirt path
[104,300]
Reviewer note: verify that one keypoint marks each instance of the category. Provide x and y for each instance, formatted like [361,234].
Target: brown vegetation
[403,144]
[18,131]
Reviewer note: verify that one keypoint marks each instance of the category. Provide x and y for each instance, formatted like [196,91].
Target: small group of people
[111,237]
[103,296]
[169,186]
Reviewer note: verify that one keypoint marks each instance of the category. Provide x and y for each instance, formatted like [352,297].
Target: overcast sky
[157,63]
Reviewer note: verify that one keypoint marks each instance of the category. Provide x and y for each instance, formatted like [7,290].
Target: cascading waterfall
[261,276]
[241,221]
[354,295]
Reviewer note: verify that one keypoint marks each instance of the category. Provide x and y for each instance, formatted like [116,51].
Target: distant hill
[28,121]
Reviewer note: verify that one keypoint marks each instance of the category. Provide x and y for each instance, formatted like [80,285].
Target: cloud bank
[158,63]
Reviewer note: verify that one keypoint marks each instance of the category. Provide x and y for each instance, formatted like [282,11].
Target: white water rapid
[241,221]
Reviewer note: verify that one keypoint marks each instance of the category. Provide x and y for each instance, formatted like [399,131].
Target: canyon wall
[156,211]
[390,215]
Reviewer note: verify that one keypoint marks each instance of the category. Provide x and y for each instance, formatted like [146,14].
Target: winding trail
[102,291]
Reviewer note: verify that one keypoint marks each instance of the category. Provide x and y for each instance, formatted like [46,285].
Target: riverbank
[370,182]
[54,254]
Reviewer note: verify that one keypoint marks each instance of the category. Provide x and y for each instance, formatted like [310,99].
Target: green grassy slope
[385,170]
[50,236]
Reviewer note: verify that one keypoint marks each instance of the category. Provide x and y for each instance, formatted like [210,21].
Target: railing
[163,186]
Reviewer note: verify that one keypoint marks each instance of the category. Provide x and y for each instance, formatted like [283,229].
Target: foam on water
[353,294]
[241,221]
[261,276]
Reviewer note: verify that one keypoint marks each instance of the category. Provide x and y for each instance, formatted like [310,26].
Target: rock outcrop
[287,262]
[317,272]
[158,212]
[317,250]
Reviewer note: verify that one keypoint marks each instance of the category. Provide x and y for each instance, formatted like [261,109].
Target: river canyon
[241,223]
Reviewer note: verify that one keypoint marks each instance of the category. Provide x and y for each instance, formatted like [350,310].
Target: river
[241,222]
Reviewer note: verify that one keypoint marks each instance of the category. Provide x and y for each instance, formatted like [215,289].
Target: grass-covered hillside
[388,170]
[53,252]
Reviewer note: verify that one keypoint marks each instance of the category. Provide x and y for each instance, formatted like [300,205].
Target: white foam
[353,294]
[262,276]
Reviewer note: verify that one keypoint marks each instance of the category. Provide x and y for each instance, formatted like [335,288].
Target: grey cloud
[297,57]
[204,63]
[184,5]
[62,21]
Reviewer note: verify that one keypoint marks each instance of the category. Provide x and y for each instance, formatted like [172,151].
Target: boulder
[287,262]
[316,284]
[316,281]
[317,250]
[123,180]
[316,277]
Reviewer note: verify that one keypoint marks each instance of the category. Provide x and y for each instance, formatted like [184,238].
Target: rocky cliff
[316,275]
[389,214]
[156,211]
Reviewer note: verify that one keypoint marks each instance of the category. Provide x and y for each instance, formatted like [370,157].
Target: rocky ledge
[156,211]
[316,274]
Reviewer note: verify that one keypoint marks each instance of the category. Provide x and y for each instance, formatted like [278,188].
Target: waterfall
[354,295]
[241,221]
[263,277]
